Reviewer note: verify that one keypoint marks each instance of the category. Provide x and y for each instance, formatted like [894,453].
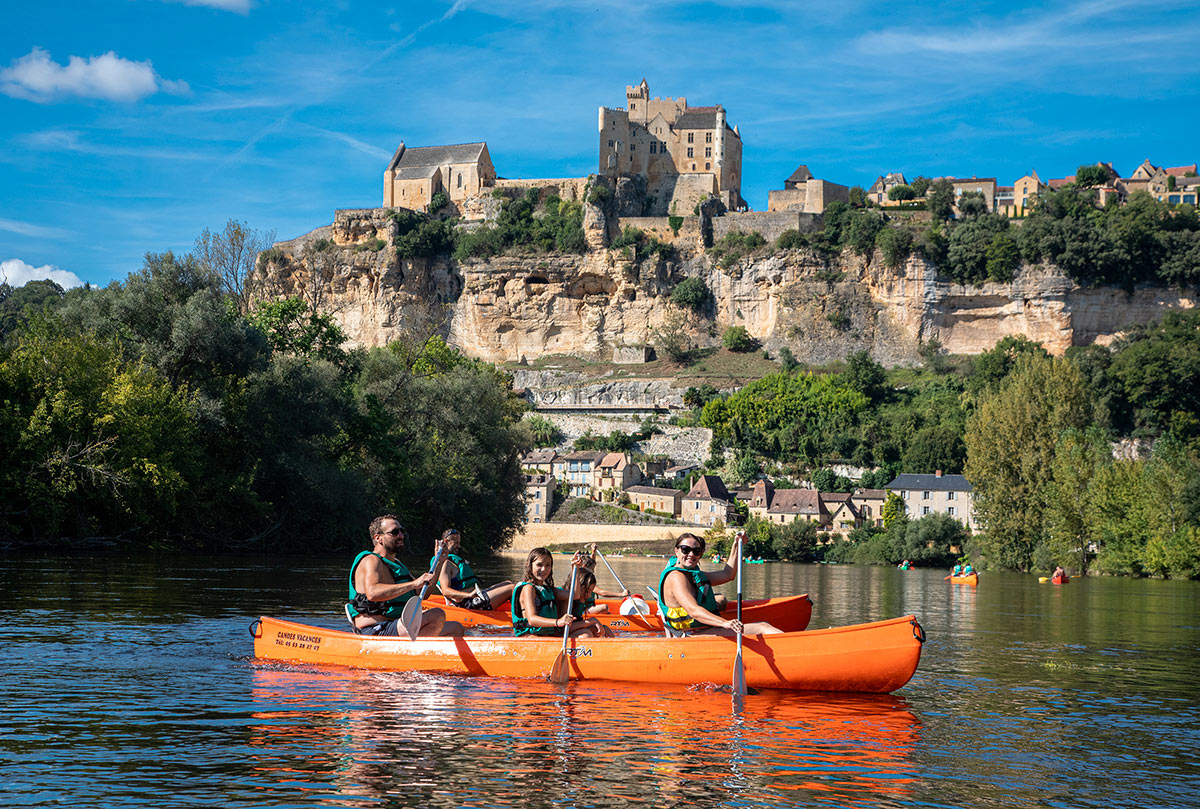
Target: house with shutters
[936,494]
[706,502]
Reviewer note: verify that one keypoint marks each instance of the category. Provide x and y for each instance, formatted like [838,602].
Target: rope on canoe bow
[254,633]
[918,632]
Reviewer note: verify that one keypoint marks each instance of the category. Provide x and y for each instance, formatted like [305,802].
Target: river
[128,682]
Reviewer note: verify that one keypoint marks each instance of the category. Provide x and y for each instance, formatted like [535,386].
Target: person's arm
[610,594]
[676,586]
[449,571]
[376,586]
[529,610]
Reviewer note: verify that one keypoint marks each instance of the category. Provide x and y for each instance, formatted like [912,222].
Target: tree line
[167,411]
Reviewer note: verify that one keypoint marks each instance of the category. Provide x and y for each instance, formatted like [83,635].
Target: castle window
[653,147]
[633,147]
[708,137]
[610,144]
[693,167]
[633,105]
[708,151]
[690,136]
[707,166]
[460,179]
[690,152]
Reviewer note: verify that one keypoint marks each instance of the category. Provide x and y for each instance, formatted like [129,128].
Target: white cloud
[29,229]
[17,273]
[36,77]
[236,6]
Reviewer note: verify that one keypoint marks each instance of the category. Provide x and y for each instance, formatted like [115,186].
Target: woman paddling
[686,593]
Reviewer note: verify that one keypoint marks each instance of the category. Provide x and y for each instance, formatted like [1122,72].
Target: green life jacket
[466,579]
[546,608]
[701,587]
[361,605]
[587,603]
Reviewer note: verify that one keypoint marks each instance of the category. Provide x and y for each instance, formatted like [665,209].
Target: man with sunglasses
[380,585]
[686,594]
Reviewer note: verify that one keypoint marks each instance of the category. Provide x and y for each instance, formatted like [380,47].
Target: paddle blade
[410,617]
[560,672]
[739,675]
[635,605]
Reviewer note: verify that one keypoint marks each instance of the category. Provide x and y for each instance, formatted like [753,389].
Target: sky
[129,126]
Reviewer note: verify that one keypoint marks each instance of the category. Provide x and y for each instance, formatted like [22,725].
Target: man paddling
[458,582]
[686,593]
[380,585]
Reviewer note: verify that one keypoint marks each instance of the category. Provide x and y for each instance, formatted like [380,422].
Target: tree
[934,447]
[1158,370]
[543,431]
[795,541]
[673,336]
[1003,257]
[697,397]
[1078,457]
[1091,176]
[787,360]
[940,199]
[866,376]
[858,197]
[901,193]
[892,510]
[921,184]
[970,244]
[692,294]
[895,244]
[994,365]
[1011,441]
[19,303]
[736,338]
[231,255]
[972,203]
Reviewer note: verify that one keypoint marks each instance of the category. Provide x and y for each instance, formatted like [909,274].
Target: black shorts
[391,627]
[479,601]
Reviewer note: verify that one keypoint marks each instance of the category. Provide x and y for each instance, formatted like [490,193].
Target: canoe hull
[972,579]
[873,658]
[790,613]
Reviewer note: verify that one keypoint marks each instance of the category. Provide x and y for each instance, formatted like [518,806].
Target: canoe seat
[671,632]
[350,618]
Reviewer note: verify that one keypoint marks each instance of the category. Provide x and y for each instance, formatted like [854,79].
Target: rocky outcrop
[511,308]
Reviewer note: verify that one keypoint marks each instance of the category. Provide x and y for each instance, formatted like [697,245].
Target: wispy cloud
[29,229]
[66,140]
[352,142]
[237,6]
[37,77]
[16,273]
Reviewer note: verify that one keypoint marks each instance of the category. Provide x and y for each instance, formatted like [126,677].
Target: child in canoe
[587,561]
[535,601]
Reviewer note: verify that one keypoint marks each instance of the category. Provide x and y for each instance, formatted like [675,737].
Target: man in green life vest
[459,584]
[380,585]
[688,601]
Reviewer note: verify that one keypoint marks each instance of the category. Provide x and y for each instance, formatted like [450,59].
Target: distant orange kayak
[789,613]
[1060,579]
[971,579]
[877,658]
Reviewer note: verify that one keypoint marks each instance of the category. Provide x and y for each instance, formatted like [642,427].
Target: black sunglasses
[695,550]
[394,532]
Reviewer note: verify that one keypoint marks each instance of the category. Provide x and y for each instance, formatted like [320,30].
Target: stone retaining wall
[551,533]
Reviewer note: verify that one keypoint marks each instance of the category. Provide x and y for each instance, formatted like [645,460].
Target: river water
[128,682]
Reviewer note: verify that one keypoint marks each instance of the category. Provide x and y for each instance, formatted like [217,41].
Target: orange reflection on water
[367,736]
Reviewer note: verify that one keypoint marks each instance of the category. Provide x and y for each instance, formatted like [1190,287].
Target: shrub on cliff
[691,293]
[736,338]
[417,235]
[554,225]
[734,246]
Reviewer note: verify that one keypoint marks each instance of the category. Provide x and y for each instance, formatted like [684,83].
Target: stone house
[782,506]
[667,501]
[539,497]
[579,469]
[982,185]
[843,514]
[1026,192]
[803,192]
[936,494]
[414,175]
[869,503]
[541,460]
[617,470]
[878,192]
[679,471]
[684,153]
[706,502]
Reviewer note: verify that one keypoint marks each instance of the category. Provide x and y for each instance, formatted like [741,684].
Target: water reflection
[391,738]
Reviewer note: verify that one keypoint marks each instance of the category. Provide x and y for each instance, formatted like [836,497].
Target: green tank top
[546,608]
[466,578]
[361,605]
[701,587]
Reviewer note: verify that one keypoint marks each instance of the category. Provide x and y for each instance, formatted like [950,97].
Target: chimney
[938,473]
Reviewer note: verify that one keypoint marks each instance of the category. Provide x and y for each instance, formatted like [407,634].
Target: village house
[1026,192]
[981,185]
[539,497]
[579,469]
[665,501]
[782,506]
[679,471]
[878,192]
[936,494]
[539,460]
[685,153]
[414,175]
[805,193]
[706,502]
[843,514]
[617,470]
[869,503]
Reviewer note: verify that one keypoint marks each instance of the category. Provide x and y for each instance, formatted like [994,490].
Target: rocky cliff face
[513,307]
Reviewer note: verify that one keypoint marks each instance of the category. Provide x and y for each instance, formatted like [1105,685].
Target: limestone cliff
[513,307]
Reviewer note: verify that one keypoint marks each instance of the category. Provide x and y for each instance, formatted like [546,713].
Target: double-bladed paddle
[410,616]
[639,605]
[560,672]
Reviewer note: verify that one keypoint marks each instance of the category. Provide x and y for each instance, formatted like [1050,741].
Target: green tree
[1078,457]
[858,197]
[736,338]
[1003,257]
[993,366]
[893,510]
[31,298]
[691,293]
[866,376]
[1091,176]
[940,199]
[896,245]
[1157,367]
[1011,441]
[787,360]
[921,184]
[972,204]
[901,193]
[795,541]
[543,431]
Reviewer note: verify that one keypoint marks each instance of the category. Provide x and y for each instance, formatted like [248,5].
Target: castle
[685,153]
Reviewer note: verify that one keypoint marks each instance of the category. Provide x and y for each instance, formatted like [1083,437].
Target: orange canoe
[876,658]
[1060,579]
[972,579]
[789,613]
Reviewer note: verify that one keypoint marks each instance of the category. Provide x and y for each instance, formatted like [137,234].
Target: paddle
[410,616]
[640,607]
[560,672]
[739,672]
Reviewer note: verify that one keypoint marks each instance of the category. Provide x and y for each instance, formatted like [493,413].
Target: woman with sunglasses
[686,594]
[459,584]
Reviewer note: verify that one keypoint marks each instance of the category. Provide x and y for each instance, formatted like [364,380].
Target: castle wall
[568,188]
[660,228]
[770,225]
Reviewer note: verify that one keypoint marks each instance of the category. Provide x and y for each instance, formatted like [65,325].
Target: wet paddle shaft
[410,617]
[739,672]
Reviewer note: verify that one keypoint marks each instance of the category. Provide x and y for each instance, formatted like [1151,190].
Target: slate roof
[709,487]
[654,490]
[584,455]
[800,175]
[697,118]
[416,172]
[441,155]
[945,483]
[539,456]
[870,494]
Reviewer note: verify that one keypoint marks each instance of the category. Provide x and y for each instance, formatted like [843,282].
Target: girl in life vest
[585,599]
[587,561]
[535,601]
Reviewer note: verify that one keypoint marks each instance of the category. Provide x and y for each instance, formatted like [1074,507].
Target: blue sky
[130,125]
